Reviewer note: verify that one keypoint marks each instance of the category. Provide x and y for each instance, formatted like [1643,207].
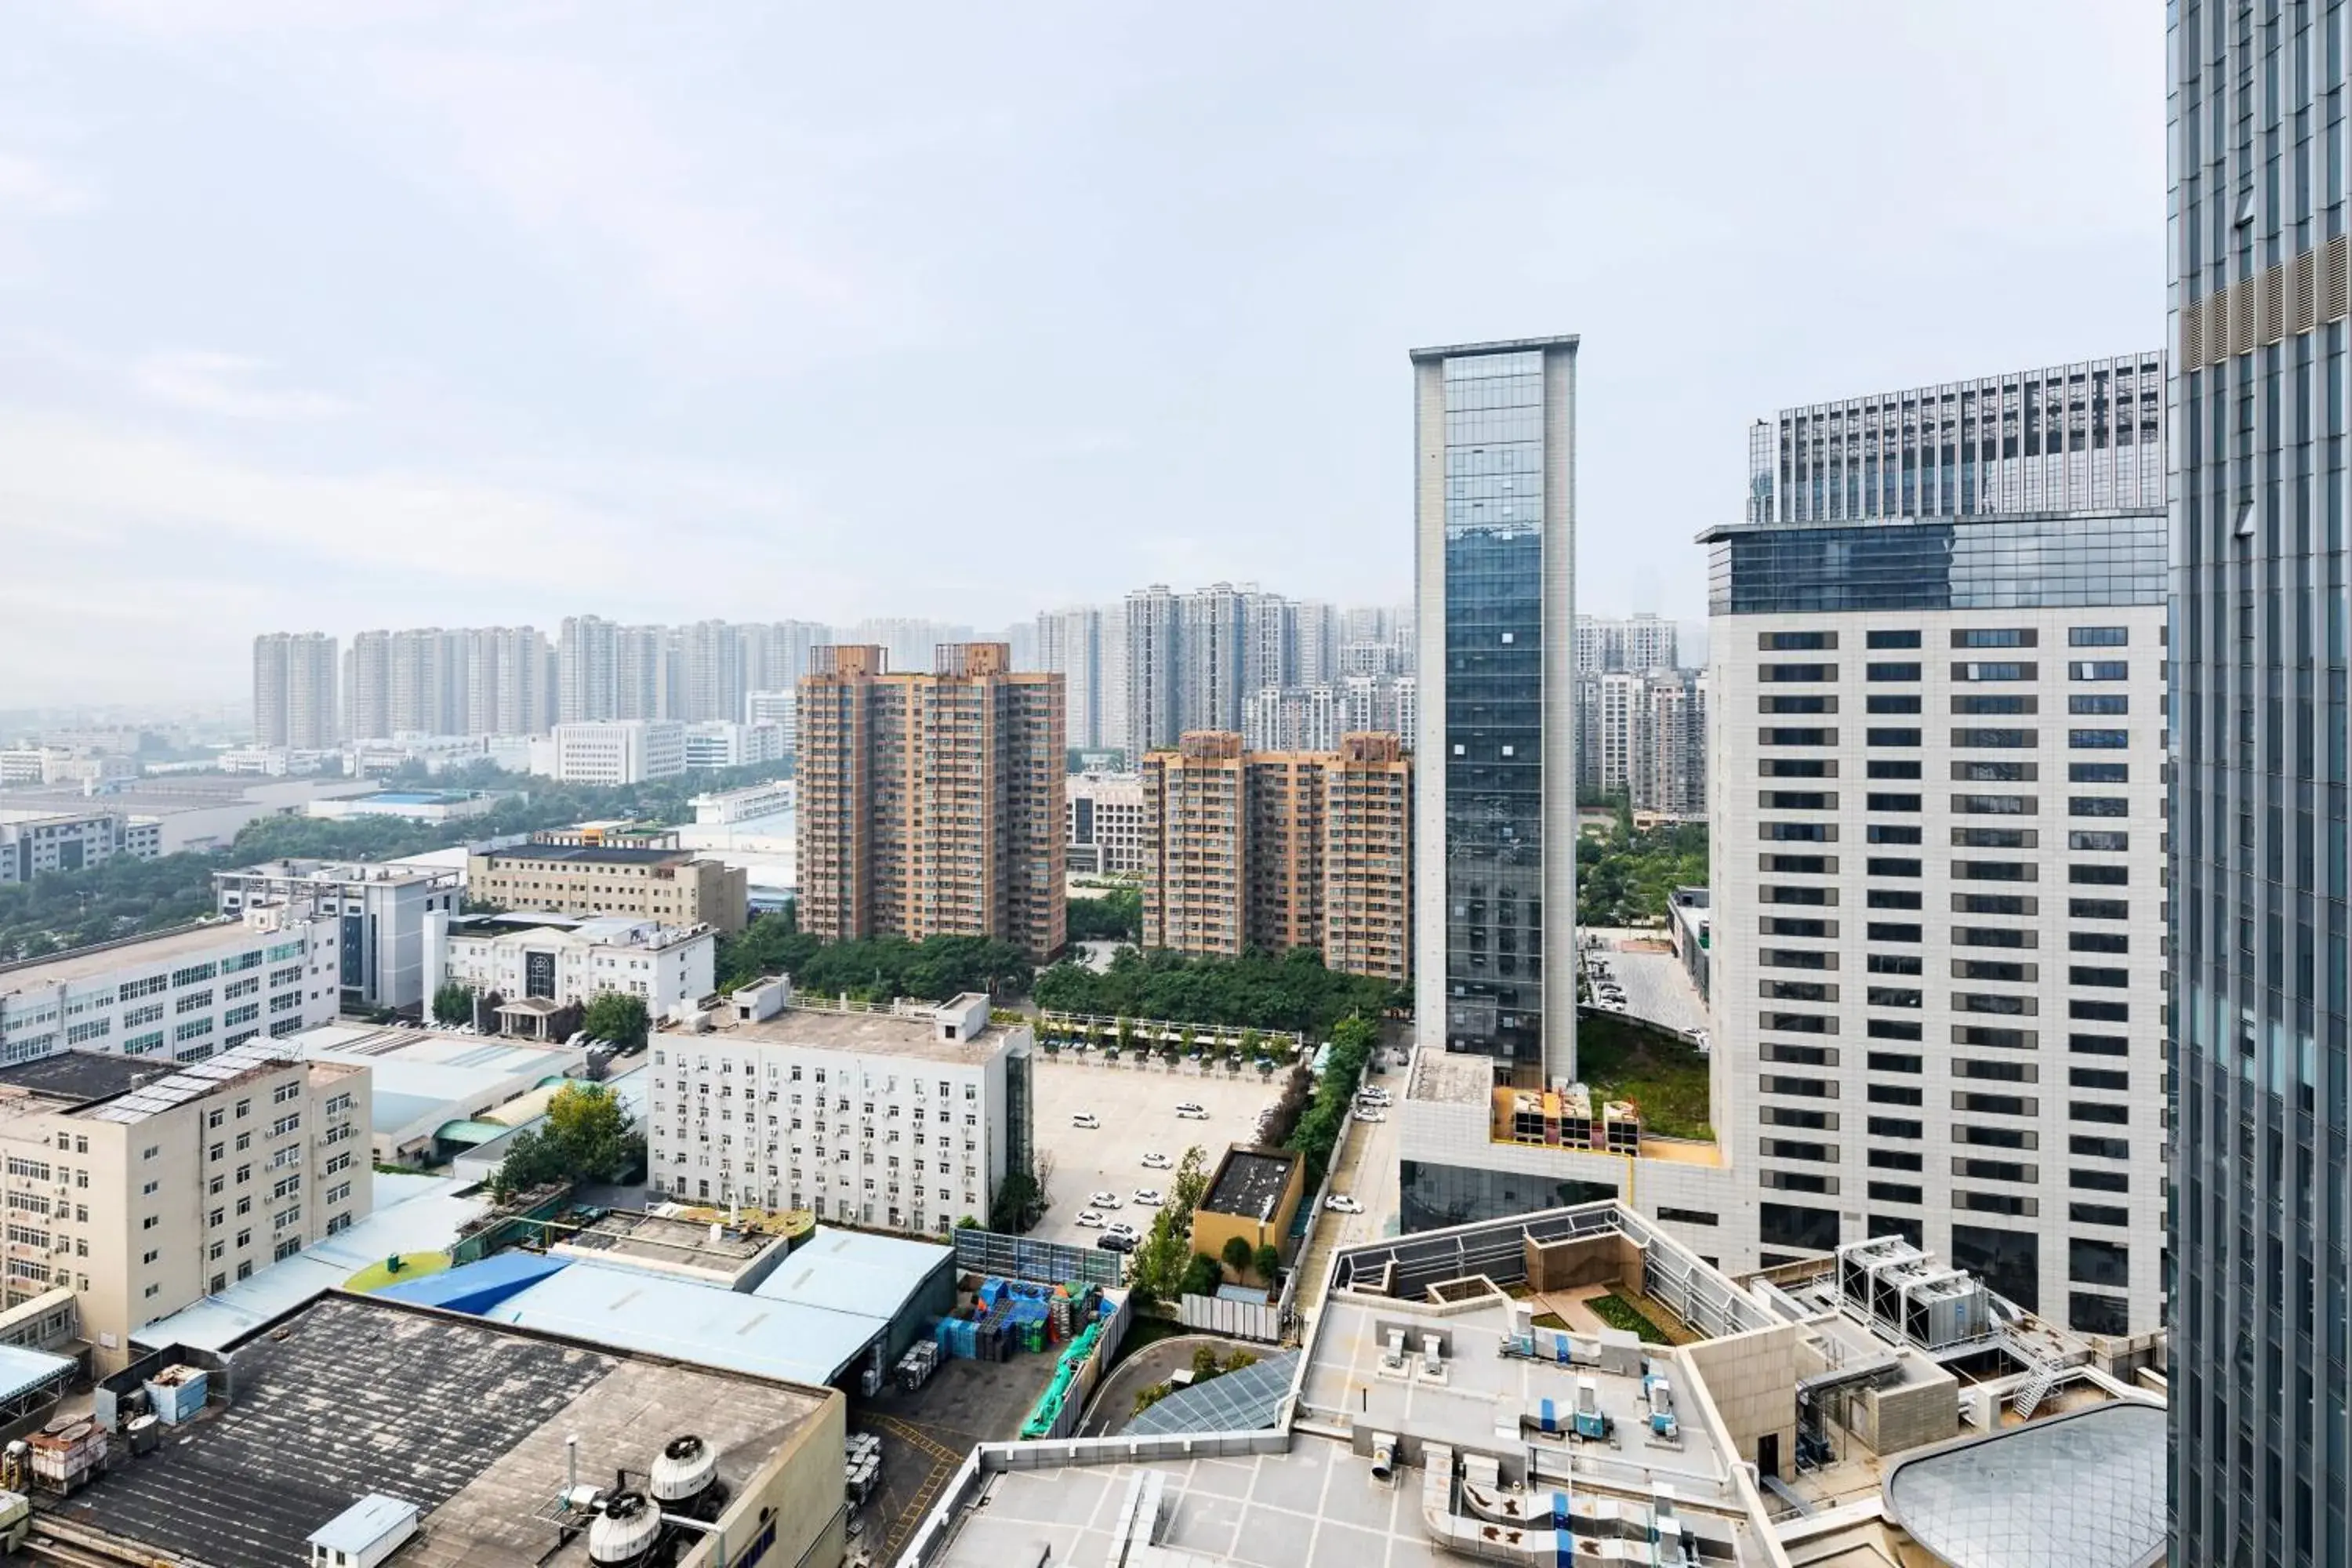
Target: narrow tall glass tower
[2262,1225]
[1495,529]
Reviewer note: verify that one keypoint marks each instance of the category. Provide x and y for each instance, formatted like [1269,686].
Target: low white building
[409,806]
[903,1119]
[619,750]
[565,962]
[40,840]
[183,994]
[724,808]
[379,911]
[780,708]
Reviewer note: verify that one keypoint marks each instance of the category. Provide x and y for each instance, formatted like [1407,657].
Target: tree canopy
[874,968]
[1625,876]
[1116,916]
[618,1016]
[588,1136]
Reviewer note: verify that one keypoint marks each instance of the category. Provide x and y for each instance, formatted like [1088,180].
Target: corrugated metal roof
[22,1370]
[707,1324]
[853,1271]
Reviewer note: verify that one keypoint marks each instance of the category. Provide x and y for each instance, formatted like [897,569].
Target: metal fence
[1259,1321]
[1046,1262]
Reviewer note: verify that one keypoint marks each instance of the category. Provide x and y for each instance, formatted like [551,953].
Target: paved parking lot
[1657,987]
[1136,1107]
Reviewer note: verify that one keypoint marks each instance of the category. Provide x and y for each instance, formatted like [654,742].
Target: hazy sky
[329,314]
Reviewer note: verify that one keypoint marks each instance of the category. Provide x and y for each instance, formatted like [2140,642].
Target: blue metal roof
[476,1288]
[855,1271]
[22,1370]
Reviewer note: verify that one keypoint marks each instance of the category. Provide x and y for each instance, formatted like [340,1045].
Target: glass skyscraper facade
[1495,514]
[2262,1240]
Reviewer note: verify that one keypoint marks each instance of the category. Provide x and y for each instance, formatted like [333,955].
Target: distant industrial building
[170,814]
[175,995]
[724,743]
[182,1178]
[670,886]
[931,804]
[37,840]
[406,805]
[379,911]
[905,1120]
[1270,851]
[543,964]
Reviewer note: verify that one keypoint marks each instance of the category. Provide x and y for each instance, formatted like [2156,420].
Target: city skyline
[571,332]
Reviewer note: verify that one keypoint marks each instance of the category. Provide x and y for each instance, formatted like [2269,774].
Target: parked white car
[1340,1203]
[1121,1229]
[1090,1219]
[1145,1198]
[1371,1116]
[1193,1111]
[1085,1118]
[1158,1163]
[1103,1200]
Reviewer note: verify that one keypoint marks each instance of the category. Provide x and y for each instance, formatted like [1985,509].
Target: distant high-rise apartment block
[2261,301]
[1494,829]
[1271,850]
[1193,658]
[484,680]
[295,675]
[932,802]
[1636,642]
[1293,719]
[586,675]
[2082,438]
[1641,736]
[907,639]
[1084,645]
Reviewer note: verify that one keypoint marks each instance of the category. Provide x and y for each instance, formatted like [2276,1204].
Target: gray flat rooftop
[870,1033]
[133,952]
[1314,1507]
[463,1417]
[78,1078]
[1450,1078]
[340,871]
[1249,1182]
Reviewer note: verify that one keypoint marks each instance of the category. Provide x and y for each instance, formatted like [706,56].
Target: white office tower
[586,675]
[620,751]
[295,676]
[1636,642]
[1939,966]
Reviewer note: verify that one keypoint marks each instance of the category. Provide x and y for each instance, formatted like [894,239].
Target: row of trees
[1117,916]
[619,1016]
[1255,991]
[1162,1267]
[873,969]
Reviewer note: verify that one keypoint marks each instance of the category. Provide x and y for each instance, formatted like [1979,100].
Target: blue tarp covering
[476,1287]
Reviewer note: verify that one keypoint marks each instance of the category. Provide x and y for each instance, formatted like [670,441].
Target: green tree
[453,1002]
[1201,1276]
[1116,916]
[588,1136]
[1239,1255]
[1269,1263]
[618,1016]
[1015,1207]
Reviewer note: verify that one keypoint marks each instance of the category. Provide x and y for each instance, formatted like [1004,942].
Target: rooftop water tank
[626,1530]
[688,1465]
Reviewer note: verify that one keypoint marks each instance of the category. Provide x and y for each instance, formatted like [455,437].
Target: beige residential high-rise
[1272,850]
[143,1186]
[295,676]
[931,804]
[668,885]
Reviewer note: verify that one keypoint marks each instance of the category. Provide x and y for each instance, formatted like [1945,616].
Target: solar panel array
[1242,1400]
[192,1080]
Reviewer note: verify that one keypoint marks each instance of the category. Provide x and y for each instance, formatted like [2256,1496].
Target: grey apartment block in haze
[1494,527]
[2262,1236]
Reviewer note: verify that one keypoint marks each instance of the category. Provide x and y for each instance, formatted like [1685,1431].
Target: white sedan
[1340,1203]
[1158,1163]
[1124,1231]
[1103,1200]
[1145,1198]
[1091,1220]
[1371,1116]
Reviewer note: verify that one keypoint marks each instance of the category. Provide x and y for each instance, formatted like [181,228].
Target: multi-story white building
[619,750]
[179,995]
[1106,820]
[568,961]
[726,807]
[142,1187]
[1293,719]
[1637,643]
[378,913]
[35,840]
[1642,734]
[904,1119]
[722,743]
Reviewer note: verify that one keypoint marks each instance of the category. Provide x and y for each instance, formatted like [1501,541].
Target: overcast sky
[335,315]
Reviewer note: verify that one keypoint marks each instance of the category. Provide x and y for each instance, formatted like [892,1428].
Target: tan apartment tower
[932,804]
[1274,850]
